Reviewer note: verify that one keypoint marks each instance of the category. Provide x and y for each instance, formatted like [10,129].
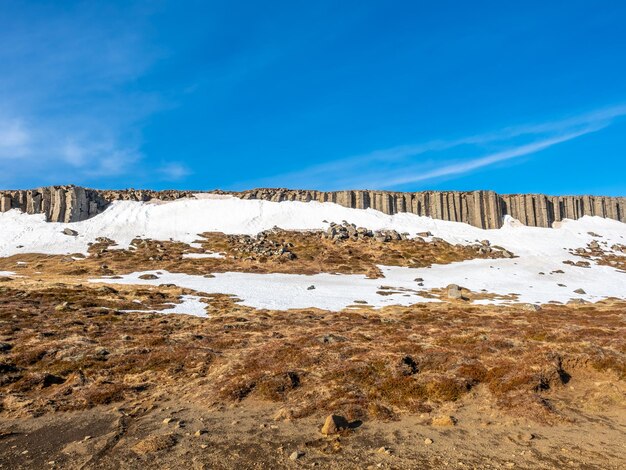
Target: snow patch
[202,255]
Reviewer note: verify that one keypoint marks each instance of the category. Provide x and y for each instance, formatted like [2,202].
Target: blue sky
[407,95]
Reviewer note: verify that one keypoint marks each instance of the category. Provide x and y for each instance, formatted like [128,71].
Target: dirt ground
[86,383]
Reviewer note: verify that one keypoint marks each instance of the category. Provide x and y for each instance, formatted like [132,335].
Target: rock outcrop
[484,209]
[58,203]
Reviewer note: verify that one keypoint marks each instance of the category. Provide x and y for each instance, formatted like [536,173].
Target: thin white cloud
[396,166]
[173,171]
[471,165]
[14,138]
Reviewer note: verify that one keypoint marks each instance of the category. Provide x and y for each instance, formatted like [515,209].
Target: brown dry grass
[314,254]
[363,363]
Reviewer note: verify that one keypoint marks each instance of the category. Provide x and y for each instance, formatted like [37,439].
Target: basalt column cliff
[484,209]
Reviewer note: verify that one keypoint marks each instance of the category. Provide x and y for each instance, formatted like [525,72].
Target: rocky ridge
[483,209]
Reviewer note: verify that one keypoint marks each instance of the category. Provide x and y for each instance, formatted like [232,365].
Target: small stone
[167,420]
[148,277]
[296,455]
[532,307]
[87,438]
[199,432]
[70,232]
[526,436]
[334,424]
[579,291]
[444,420]
[384,450]
[62,307]
[454,292]
[310,288]
[428,441]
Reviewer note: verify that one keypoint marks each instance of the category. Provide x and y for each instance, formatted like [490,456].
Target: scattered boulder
[148,277]
[310,288]
[579,291]
[408,366]
[428,441]
[261,245]
[70,232]
[334,424]
[455,292]
[295,455]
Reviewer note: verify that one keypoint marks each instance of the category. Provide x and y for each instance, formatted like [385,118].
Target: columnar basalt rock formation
[484,209]
[58,203]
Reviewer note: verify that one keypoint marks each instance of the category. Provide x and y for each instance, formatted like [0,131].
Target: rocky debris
[580,264]
[334,424]
[348,231]
[295,455]
[428,441]
[618,247]
[70,232]
[443,421]
[579,291]
[310,287]
[261,245]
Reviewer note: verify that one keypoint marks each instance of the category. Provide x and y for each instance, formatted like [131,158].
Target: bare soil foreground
[92,376]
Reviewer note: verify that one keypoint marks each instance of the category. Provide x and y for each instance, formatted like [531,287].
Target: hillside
[224,329]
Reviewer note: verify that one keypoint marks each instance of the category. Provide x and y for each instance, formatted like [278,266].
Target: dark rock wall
[484,209]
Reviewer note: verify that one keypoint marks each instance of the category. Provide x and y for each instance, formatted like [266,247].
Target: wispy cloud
[14,139]
[438,159]
[173,171]
[68,104]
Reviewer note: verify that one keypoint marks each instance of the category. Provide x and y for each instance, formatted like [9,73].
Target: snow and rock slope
[536,274]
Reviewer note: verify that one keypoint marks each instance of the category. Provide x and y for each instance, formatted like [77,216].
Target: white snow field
[539,250]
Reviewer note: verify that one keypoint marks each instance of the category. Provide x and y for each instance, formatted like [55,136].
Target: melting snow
[539,250]
[202,255]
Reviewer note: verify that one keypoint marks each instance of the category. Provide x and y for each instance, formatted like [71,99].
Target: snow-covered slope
[540,251]
[183,219]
